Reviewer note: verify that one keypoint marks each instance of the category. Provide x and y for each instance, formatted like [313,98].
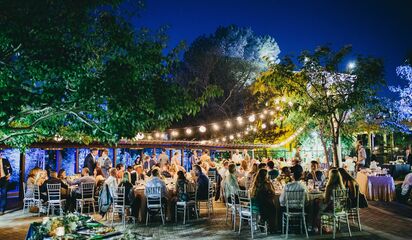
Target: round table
[376,188]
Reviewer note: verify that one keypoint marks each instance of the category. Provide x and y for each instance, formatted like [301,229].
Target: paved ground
[380,221]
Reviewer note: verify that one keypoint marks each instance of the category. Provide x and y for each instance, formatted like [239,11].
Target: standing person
[272,172]
[246,156]
[205,157]
[163,158]
[237,158]
[5,173]
[297,154]
[105,163]
[296,167]
[176,159]
[148,163]
[193,159]
[361,155]
[408,155]
[90,160]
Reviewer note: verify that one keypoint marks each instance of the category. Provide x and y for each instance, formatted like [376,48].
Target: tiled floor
[380,221]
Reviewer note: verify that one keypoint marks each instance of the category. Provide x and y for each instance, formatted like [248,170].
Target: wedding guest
[296,167]
[148,163]
[62,176]
[361,155]
[133,174]
[5,172]
[334,183]
[237,158]
[128,187]
[263,193]
[224,169]
[98,175]
[165,171]
[406,188]
[350,183]
[176,159]
[231,185]
[139,172]
[295,185]
[251,175]
[315,174]
[286,174]
[54,180]
[163,158]
[262,165]
[138,160]
[156,182]
[272,172]
[120,171]
[246,156]
[90,160]
[111,182]
[85,178]
[202,182]
[105,163]
[181,183]
[408,155]
[205,157]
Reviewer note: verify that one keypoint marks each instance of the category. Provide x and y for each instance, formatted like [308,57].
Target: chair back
[87,190]
[212,176]
[36,192]
[153,196]
[54,191]
[210,190]
[295,200]
[340,200]
[119,198]
[27,194]
[245,202]
[190,190]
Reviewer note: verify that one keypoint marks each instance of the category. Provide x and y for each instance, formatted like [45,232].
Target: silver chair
[28,197]
[340,206]
[231,208]
[246,212]
[208,202]
[87,197]
[295,209]
[154,203]
[118,205]
[37,201]
[54,198]
[185,206]
[353,212]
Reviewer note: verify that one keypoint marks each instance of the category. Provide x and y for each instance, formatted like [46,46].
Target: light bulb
[188,131]
[202,129]
[215,127]
[252,118]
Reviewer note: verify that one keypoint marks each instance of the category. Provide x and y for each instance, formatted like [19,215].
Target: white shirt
[293,186]
[407,183]
[237,158]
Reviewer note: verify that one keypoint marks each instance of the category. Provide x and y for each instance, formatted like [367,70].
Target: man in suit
[408,156]
[90,160]
[5,173]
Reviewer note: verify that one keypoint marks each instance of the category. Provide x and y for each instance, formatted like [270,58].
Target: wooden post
[182,152]
[22,173]
[76,159]
[114,157]
[58,160]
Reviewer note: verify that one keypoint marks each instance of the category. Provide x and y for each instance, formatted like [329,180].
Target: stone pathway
[380,221]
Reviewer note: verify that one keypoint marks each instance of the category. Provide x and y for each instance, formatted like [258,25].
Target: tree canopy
[79,70]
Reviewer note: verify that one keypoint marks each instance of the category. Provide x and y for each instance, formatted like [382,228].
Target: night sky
[376,28]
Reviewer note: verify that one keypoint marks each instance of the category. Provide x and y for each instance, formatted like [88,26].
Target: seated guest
[148,163]
[54,180]
[128,187]
[212,169]
[165,171]
[62,176]
[334,183]
[295,185]
[181,182]
[262,165]
[285,175]
[350,183]
[296,167]
[120,171]
[406,188]
[263,193]
[139,172]
[272,172]
[85,178]
[251,175]
[98,175]
[315,174]
[133,174]
[202,182]
[231,185]
[111,182]
[32,180]
[156,182]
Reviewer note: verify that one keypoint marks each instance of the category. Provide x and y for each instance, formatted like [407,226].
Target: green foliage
[79,69]
[326,94]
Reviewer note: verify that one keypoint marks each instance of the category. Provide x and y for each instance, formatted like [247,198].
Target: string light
[263,125]
[231,137]
[252,118]
[239,120]
[202,129]
[140,136]
[175,133]
[215,127]
[228,124]
[188,131]
[262,116]
[157,135]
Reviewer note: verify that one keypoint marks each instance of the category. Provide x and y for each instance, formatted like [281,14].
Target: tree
[79,70]
[404,104]
[227,61]
[325,95]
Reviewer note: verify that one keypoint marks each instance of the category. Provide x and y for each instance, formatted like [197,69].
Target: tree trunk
[323,141]
[335,141]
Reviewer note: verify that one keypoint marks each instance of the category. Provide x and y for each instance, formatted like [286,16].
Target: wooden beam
[76,159]
[114,157]
[22,173]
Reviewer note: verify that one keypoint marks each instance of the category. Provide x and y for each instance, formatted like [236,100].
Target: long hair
[260,182]
[334,182]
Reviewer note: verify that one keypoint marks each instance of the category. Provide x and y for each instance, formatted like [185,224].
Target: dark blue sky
[378,28]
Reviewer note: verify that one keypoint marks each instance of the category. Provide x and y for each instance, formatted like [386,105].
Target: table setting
[376,184]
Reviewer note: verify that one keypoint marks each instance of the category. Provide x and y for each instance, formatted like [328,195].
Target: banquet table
[170,195]
[397,170]
[376,188]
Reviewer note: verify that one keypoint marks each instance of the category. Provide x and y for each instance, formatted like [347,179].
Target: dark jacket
[202,187]
[52,180]
[7,170]
[90,163]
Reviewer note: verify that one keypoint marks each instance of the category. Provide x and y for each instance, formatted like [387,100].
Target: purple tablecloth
[376,188]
